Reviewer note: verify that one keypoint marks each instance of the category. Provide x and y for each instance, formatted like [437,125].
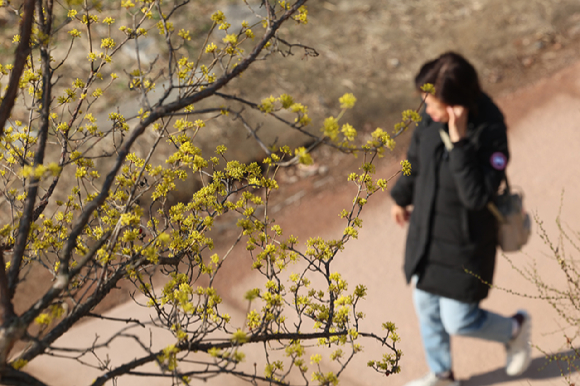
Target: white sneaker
[519,350]
[432,379]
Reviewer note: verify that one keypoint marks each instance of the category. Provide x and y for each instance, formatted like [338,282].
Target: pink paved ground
[545,145]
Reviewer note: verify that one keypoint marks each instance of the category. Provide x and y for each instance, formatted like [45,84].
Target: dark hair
[454,78]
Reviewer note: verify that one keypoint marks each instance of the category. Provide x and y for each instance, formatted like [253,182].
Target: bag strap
[446,140]
[507,184]
[491,205]
[495,211]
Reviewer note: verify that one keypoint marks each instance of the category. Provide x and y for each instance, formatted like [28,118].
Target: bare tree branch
[205,347]
[11,377]
[21,55]
[26,219]
[128,320]
[7,311]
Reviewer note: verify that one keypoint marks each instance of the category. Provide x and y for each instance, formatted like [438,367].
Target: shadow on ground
[540,369]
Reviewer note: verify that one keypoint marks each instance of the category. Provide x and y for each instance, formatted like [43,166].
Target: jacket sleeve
[403,190]
[478,166]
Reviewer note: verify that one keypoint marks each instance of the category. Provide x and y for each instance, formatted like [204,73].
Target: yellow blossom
[43,319]
[347,101]
[19,363]
[406,167]
[184,34]
[75,33]
[211,47]
[231,39]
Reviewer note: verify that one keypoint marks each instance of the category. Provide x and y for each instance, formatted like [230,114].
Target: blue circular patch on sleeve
[498,161]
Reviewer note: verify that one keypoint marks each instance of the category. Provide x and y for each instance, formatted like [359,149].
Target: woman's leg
[435,338]
[468,319]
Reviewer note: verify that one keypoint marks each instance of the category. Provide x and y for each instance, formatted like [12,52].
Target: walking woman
[458,155]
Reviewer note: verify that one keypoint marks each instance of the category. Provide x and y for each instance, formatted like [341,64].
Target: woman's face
[436,109]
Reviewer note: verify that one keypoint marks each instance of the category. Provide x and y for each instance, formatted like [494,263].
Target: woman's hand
[457,122]
[400,215]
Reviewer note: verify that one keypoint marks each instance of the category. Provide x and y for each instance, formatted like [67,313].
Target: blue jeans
[440,317]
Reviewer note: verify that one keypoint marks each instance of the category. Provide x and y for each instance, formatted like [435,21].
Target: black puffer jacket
[451,231]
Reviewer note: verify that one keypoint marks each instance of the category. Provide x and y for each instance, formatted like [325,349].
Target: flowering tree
[80,202]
